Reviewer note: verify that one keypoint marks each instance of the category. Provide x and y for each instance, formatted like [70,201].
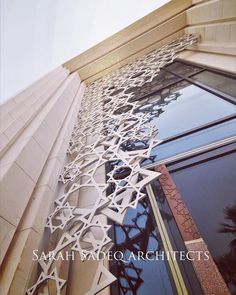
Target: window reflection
[182,107]
[226,263]
[192,141]
[217,81]
[176,109]
[209,192]
[163,79]
[182,69]
[186,267]
[139,277]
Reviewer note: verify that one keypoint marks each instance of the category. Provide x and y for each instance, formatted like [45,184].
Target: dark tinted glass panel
[140,277]
[182,69]
[193,141]
[186,267]
[162,80]
[209,191]
[222,83]
[182,107]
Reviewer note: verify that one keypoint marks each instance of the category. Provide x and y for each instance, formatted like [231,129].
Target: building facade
[118,168]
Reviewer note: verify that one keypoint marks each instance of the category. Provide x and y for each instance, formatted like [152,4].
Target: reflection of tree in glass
[136,234]
[155,105]
[129,278]
[227,263]
[139,231]
[161,199]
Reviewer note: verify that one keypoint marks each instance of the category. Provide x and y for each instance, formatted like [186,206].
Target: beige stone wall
[217,61]
[215,22]
[36,126]
[150,32]
[37,123]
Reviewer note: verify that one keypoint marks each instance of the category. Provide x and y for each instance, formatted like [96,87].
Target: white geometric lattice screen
[107,130]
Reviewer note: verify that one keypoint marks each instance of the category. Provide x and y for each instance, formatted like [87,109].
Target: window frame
[212,90]
[188,78]
[222,95]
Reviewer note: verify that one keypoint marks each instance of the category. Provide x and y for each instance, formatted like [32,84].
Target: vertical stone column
[206,270]
[31,161]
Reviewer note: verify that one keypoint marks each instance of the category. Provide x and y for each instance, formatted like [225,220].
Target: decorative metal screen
[108,129]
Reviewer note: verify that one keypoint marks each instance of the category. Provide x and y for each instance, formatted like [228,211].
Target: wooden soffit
[154,30]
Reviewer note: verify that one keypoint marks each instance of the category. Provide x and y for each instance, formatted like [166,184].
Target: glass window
[209,191]
[219,82]
[182,69]
[186,267]
[193,141]
[162,80]
[182,107]
[137,276]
